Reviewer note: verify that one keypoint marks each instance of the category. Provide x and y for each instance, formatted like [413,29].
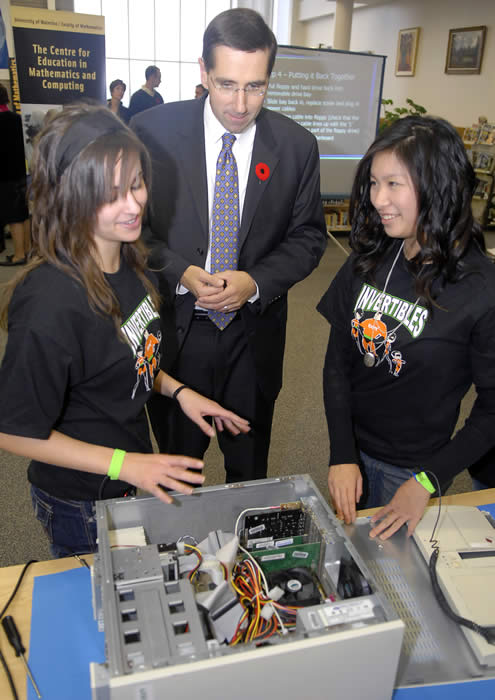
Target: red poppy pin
[262,171]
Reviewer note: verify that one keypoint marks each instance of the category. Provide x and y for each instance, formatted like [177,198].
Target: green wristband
[116,464]
[422,479]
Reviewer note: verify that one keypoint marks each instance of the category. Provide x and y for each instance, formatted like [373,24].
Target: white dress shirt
[242,150]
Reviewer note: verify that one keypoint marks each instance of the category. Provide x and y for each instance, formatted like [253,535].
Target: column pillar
[342,24]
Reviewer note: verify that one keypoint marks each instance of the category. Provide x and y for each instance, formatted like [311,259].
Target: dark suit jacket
[282,233]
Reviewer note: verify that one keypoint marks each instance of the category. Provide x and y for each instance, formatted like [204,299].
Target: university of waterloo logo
[374,340]
[145,345]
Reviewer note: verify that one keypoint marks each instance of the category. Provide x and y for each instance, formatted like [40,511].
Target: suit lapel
[264,152]
[193,162]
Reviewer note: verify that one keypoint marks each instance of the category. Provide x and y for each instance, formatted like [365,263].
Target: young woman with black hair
[83,350]
[412,313]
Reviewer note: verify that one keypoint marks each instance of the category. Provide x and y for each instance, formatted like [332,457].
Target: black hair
[435,158]
[241,29]
[116,83]
[4,95]
[150,70]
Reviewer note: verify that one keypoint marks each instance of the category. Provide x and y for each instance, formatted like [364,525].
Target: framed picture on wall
[407,47]
[465,50]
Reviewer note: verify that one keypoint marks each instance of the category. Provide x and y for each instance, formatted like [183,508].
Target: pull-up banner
[4,53]
[60,56]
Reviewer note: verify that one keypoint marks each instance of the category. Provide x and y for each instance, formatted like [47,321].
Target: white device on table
[465,568]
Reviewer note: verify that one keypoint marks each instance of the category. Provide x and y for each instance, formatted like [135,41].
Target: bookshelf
[480,145]
[337,215]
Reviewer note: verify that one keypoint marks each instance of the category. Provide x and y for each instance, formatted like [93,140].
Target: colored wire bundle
[191,549]
[253,626]
[196,551]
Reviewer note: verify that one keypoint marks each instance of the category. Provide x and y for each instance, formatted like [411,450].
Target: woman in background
[117,91]
[413,326]
[83,350]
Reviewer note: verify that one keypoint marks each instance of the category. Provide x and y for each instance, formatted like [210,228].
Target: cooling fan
[298,586]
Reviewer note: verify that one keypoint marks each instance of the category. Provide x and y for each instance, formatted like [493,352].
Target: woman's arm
[146,471]
[407,506]
[345,482]
[195,406]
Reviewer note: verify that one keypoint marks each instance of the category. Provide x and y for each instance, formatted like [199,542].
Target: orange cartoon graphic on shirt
[147,361]
[355,324]
[398,362]
[373,338]
[390,340]
[151,344]
[374,331]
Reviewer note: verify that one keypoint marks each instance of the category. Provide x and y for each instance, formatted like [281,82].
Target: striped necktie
[225,220]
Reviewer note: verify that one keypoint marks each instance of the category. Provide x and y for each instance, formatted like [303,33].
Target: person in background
[412,316]
[117,91]
[245,224]
[147,96]
[84,336]
[13,200]
[199,91]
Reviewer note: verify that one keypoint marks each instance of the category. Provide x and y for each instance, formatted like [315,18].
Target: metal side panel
[435,649]
[353,665]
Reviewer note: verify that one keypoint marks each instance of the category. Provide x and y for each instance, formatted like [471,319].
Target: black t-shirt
[66,369]
[403,410]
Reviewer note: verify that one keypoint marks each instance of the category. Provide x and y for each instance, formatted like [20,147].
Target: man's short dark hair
[240,29]
[4,95]
[150,70]
[116,83]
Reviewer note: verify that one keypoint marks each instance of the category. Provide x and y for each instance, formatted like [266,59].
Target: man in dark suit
[280,239]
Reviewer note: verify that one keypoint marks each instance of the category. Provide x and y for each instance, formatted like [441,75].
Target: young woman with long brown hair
[83,351]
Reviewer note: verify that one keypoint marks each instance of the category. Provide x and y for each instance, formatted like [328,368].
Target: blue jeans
[381,481]
[478,485]
[69,525]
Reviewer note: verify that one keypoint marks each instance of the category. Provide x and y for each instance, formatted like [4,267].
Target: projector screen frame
[347,161]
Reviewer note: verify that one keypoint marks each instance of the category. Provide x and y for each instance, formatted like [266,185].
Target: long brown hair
[69,186]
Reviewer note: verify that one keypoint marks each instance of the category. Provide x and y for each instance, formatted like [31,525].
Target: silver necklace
[370,358]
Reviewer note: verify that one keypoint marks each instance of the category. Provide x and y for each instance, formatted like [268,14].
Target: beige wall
[458,98]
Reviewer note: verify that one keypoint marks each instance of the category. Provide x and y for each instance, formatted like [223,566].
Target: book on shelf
[337,219]
[331,219]
[487,135]
[481,134]
[482,160]
[471,134]
[483,187]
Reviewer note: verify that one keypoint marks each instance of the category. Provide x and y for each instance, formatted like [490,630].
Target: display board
[337,96]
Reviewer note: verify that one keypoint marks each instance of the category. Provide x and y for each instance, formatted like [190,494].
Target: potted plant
[391,115]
